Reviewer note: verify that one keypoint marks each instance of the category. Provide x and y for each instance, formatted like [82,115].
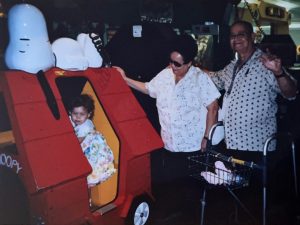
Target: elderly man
[251,83]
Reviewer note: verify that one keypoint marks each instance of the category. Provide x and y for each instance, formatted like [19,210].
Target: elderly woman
[186,101]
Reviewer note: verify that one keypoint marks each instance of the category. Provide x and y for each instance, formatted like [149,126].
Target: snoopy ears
[69,54]
[90,50]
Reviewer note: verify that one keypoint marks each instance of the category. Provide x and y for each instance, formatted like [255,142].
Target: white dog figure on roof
[69,54]
[76,54]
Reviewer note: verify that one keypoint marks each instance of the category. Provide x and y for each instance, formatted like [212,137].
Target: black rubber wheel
[14,207]
[140,211]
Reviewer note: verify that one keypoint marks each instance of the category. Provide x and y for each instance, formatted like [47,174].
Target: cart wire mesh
[218,171]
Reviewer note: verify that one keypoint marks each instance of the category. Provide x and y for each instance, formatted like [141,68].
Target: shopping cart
[212,169]
[216,170]
[220,171]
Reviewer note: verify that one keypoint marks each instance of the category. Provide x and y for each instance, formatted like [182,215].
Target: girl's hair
[83,100]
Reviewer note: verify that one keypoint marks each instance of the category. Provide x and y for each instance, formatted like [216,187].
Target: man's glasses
[176,64]
[238,35]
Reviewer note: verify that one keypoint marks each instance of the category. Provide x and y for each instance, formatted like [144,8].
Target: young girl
[92,142]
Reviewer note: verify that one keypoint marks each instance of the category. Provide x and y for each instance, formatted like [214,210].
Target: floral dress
[97,152]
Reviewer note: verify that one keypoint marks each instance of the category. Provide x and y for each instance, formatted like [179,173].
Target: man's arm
[211,119]
[137,85]
[287,85]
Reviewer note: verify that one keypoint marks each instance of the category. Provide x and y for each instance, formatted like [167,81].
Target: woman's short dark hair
[84,100]
[186,46]
[248,26]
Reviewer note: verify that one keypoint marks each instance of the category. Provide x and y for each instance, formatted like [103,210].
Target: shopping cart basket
[221,171]
[216,170]
[212,170]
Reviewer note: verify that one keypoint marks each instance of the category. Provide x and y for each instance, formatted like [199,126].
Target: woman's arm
[137,85]
[211,119]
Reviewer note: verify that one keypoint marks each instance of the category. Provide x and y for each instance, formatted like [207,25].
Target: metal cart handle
[234,160]
[224,157]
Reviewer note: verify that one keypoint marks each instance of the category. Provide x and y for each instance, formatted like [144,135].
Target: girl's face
[79,115]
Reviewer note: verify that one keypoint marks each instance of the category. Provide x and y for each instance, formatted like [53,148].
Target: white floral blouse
[182,107]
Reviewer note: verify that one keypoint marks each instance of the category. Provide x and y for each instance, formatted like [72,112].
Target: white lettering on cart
[8,161]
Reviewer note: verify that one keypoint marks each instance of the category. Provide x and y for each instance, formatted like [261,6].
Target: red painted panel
[139,181]
[36,120]
[122,107]
[68,203]
[56,159]
[140,136]
[24,87]
[107,81]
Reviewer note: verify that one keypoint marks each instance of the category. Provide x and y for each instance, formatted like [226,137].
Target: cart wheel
[14,207]
[139,211]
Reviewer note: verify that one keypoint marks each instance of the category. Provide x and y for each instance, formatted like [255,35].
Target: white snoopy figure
[29,48]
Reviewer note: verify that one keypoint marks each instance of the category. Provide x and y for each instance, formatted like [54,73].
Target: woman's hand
[203,144]
[121,71]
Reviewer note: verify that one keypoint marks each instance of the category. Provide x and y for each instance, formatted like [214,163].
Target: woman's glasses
[176,64]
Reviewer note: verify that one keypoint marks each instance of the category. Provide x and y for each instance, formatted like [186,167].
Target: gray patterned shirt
[250,109]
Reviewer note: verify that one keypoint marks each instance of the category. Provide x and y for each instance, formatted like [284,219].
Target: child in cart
[92,142]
